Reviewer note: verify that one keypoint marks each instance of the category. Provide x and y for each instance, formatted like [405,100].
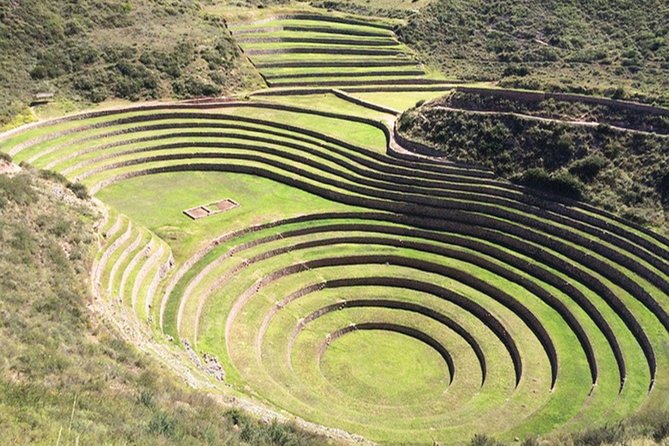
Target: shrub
[79,190]
[619,93]
[50,175]
[483,440]
[162,424]
[93,84]
[516,70]
[613,149]
[145,398]
[588,168]
[51,64]
[663,186]
[60,228]
[193,87]
[661,430]
[564,144]
[609,435]
[563,183]
[133,80]
[170,63]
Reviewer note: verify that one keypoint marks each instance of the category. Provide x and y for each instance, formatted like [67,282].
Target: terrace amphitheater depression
[294,252]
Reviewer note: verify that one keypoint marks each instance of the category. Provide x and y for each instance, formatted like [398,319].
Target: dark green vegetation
[617,48]
[558,107]
[556,146]
[91,50]
[65,378]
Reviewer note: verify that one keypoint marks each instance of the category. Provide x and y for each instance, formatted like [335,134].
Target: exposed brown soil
[226,205]
[197,212]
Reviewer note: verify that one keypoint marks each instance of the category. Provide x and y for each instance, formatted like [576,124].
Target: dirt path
[590,124]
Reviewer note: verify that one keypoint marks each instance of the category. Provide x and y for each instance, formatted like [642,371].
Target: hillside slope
[618,47]
[93,50]
[65,378]
[612,157]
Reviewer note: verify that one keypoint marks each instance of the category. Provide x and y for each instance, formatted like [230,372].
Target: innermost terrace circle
[385,368]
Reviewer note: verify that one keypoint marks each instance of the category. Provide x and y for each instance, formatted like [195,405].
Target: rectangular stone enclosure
[211,209]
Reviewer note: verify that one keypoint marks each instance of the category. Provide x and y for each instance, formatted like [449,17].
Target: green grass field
[310,45]
[404,300]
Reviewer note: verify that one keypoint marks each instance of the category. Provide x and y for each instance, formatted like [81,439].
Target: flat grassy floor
[352,79]
[278,72]
[384,367]
[387,4]
[251,37]
[306,23]
[330,38]
[157,202]
[399,49]
[399,100]
[328,102]
[261,58]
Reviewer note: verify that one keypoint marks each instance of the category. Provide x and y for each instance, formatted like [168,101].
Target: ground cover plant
[360,289]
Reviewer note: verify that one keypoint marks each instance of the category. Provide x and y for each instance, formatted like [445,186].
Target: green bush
[483,440]
[51,64]
[93,84]
[516,70]
[79,190]
[588,168]
[133,80]
[145,398]
[162,424]
[50,175]
[562,183]
[661,430]
[194,87]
